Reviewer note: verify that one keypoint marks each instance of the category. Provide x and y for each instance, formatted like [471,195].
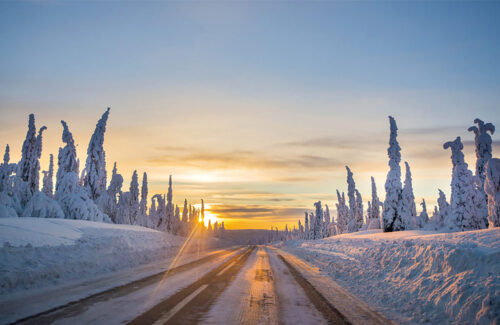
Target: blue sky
[266,99]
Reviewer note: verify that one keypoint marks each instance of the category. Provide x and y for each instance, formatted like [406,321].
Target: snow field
[415,276]
[40,252]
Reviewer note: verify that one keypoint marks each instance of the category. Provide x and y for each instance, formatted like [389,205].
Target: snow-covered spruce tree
[209,227]
[312,225]
[306,222]
[94,177]
[391,215]
[222,230]
[216,228]
[47,183]
[26,182]
[318,221]
[108,202]
[374,215]
[170,225]
[185,218]
[441,213]
[42,204]
[435,216]
[8,204]
[152,217]
[301,230]
[492,189]
[177,219]
[352,223]
[160,212]
[359,211]
[73,199]
[483,154]
[128,204]
[326,228]
[464,213]
[483,145]
[341,215]
[24,167]
[66,160]
[423,217]
[408,208]
[134,204]
[143,204]
[35,163]
[6,170]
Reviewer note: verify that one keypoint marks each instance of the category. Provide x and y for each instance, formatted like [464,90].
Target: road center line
[226,268]
[179,306]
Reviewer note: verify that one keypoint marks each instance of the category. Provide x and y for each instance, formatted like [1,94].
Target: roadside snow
[417,276]
[40,252]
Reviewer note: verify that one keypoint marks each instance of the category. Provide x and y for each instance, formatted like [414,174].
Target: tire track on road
[190,304]
[75,307]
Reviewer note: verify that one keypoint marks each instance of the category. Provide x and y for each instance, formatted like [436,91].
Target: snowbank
[415,276]
[38,252]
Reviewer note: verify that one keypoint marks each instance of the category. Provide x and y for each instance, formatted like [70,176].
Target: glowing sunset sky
[255,107]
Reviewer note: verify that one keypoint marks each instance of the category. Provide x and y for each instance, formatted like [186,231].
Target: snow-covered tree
[66,160]
[128,205]
[108,201]
[483,154]
[423,217]
[177,218]
[160,213]
[143,204]
[464,212]
[47,183]
[352,223]
[170,226]
[73,199]
[342,214]
[391,216]
[312,225]
[374,208]
[222,230]
[26,182]
[42,206]
[9,205]
[492,189]
[94,177]
[6,169]
[185,217]
[24,167]
[153,218]
[318,221]
[326,228]
[209,227]
[408,208]
[483,146]
[359,210]
[443,212]
[306,222]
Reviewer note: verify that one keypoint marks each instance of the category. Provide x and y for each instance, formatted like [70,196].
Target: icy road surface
[251,285]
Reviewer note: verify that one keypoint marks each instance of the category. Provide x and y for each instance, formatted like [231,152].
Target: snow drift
[415,276]
[40,252]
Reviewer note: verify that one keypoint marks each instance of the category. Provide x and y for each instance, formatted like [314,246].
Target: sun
[208,215]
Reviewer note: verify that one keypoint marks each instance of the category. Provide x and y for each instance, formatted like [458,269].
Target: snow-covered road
[250,285]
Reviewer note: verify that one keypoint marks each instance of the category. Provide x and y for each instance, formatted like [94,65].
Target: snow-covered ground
[415,276]
[40,252]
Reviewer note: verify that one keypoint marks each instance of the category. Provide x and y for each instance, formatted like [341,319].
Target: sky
[256,107]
